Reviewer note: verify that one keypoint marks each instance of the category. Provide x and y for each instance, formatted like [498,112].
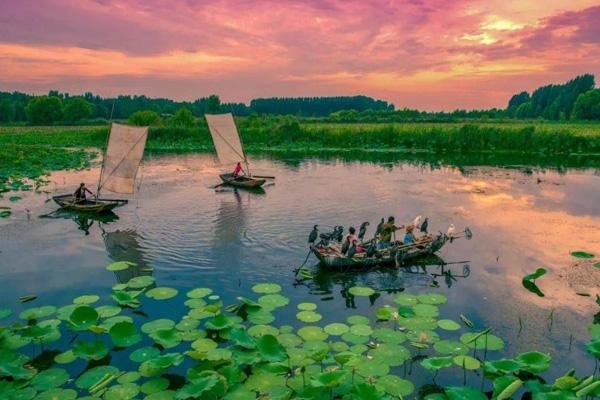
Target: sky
[430,55]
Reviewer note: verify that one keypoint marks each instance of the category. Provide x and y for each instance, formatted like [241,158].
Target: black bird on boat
[424,225]
[345,246]
[362,230]
[340,233]
[379,227]
[313,234]
[352,250]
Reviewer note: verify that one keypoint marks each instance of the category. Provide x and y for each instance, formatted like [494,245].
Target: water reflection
[84,221]
[124,245]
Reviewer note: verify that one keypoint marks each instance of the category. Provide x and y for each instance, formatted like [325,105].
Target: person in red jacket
[238,171]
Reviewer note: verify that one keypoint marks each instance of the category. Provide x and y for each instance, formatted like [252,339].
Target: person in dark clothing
[80,193]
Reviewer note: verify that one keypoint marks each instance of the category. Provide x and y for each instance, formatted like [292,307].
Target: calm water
[229,240]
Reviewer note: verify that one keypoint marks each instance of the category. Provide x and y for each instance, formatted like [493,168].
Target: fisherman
[409,237]
[238,170]
[385,237]
[80,193]
[351,236]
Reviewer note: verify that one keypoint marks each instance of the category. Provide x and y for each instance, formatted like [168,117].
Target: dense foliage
[316,106]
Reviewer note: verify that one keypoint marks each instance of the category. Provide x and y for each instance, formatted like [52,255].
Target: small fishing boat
[120,164]
[245,182]
[331,257]
[230,151]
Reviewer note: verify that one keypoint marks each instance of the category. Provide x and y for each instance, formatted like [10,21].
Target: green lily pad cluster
[238,352]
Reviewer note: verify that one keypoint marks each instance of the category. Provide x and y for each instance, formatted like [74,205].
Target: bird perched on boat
[451,230]
[417,221]
[345,246]
[379,227]
[340,233]
[362,230]
[313,234]
[352,250]
[424,225]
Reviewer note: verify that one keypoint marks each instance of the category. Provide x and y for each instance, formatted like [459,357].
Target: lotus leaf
[448,325]
[203,345]
[164,395]
[373,367]
[49,379]
[307,306]
[124,391]
[437,363]
[155,385]
[108,323]
[273,301]
[119,266]
[395,386]
[361,330]
[426,310]
[37,312]
[308,316]
[124,334]
[404,299]
[129,377]
[157,324]
[144,354]
[195,303]
[261,317]
[354,339]
[83,318]
[127,298]
[467,362]
[357,319]
[329,379]
[140,282]
[361,291]
[270,349]
[450,347]
[218,355]
[391,354]
[94,375]
[57,394]
[432,298]
[86,299]
[482,341]
[312,333]
[199,293]
[241,338]
[266,288]
[187,324]
[95,350]
[336,329]
[218,323]
[534,361]
[5,312]
[65,358]
[107,311]
[259,330]
[388,335]
[167,338]
[161,293]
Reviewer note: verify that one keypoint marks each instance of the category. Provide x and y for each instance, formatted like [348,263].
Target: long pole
[105,148]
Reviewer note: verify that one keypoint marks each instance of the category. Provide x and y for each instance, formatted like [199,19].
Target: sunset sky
[432,55]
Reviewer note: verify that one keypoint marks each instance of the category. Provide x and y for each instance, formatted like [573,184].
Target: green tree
[587,105]
[7,111]
[145,118]
[77,108]
[525,110]
[44,109]
[213,104]
[183,118]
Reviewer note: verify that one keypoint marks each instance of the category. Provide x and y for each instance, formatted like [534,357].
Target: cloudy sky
[433,55]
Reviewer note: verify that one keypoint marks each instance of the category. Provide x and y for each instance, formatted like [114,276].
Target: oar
[262,176]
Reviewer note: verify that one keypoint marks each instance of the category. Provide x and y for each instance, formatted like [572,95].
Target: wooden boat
[331,257]
[97,206]
[242,181]
[120,163]
[230,151]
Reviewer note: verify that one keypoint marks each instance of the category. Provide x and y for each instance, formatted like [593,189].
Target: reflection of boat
[123,245]
[228,146]
[120,164]
[84,220]
[330,256]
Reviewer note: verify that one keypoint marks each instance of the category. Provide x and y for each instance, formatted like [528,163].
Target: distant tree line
[576,99]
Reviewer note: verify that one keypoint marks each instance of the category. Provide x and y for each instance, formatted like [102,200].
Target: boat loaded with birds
[230,151]
[333,254]
[120,163]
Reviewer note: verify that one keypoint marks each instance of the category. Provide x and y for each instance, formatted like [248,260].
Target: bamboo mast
[105,148]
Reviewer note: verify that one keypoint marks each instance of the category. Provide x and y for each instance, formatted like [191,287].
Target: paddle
[264,177]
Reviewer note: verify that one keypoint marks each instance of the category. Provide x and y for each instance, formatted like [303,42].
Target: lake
[191,235]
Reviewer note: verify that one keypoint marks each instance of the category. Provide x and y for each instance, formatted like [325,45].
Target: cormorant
[424,225]
[340,233]
[362,230]
[313,235]
[379,227]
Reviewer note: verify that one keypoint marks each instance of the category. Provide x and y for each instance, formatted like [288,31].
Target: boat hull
[241,181]
[396,256]
[95,206]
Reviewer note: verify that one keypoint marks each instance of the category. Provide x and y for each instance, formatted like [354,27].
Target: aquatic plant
[238,352]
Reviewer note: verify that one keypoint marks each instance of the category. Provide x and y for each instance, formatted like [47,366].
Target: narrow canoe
[96,206]
[398,255]
[242,181]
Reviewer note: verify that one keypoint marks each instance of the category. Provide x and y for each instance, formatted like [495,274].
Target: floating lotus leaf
[64,312]
[119,266]
[307,306]
[161,293]
[14,341]
[261,317]
[140,282]
[95,350]
[423,336]
[286,329]
[144,354]
[37,312]
[218,323]
[361,330]
[273,301]
[191,335]
[289,340]
[94,375]
[464,393]
[164,362]
[129,377]
[127,298]
[357,319]
[448,325]
[593,347]
[86,299]
[157,325]
[467,362]
[388,335]
[395,386]
[107,311]
[426,310]
[312,333]
[65,358]
[199,293]
[119,286]
[164,395]
[241,338]
[385,313]
[485,341]
[83,317]
[404,299]
[501,367]
[338,346]
[406,312]
[108,323]
[450,347]
[12,391]
[49,379]
[167,338]
[187,324]
[214,297]
[582,254]
[308,316]
[155,385]
[336,329]
[391,354]
[270,349]
[432,298]
[13,365]
[266,288]
[354,339]
[418,323]
[369,368]
[263,381]
[358,348]
[124,334]
[329,379]
[534,361]
[195,303]
[437,363]
[124,391]
[5,312]
[57,394]
[240,393]
[203,345]
[361,291]
[259,330]
[201,313]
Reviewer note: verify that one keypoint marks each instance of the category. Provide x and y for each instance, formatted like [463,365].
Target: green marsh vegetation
[110,348]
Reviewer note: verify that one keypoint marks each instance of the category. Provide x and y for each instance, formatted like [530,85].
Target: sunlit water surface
[194,236]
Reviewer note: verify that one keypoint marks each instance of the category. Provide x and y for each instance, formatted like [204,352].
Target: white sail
[122,158]
[226,138]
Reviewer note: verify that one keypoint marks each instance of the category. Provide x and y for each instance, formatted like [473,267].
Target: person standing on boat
[80,193]
[385,237]
[238,171]
[409,237]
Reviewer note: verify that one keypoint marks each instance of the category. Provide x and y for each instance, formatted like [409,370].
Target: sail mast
[105,148]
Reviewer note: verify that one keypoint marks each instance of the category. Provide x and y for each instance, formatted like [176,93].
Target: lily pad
[94,375]
[336,329]
[448,325]
[119,266]
[161,293]
[450,347]
[437,363]
[144,354]
[482,341]
[395,386]
[65,358]
[49,379]
[140,282]
[95,350]
[259,330]
[273,301]
[199,293]
[357,319]
[86,299]
[124,391]
[426,310]
[83,318]
[203,345]
[404,299]
[108,311]
[432,298]
[37,312]
[312,333]
[270,349]
[534,361]
[155,385]
[361,330]
[467,362]
[129,377]
[582,254]
[5,312]
[388,335]
[361,291]
[57,394]
[308,316]
[124,334]
[266,288]
[307,306]
[157,324]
